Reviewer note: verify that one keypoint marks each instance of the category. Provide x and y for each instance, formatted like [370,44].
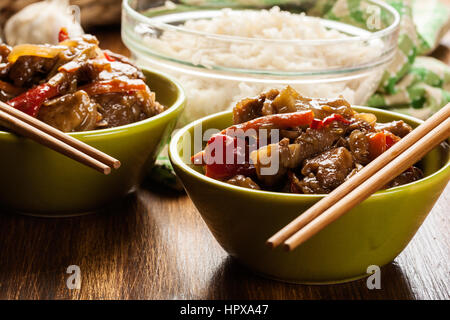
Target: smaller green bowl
[372,233]
[40,181]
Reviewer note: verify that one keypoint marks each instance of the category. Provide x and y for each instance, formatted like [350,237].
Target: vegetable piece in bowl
[75,86]
[282,141]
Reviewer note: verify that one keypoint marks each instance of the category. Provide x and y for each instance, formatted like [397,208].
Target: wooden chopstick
[359,178]
[77,144]
[372,184]
[43,138]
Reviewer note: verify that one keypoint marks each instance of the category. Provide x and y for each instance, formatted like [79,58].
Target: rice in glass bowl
[223,54]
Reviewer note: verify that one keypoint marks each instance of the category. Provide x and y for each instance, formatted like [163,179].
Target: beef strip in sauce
[243,181]
[71,112]
[75,86]
[399,128]
[314,158]
[324,173]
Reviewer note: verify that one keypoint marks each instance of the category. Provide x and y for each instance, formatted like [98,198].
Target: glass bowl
[219,66]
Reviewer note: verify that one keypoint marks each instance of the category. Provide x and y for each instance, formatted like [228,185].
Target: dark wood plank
[154,245]
[109,37]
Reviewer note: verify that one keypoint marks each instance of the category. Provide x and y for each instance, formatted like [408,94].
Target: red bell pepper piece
[379,142]
[335,117]
[31,101]
[108,57]
[219,169]
[216,165]
[63,34]
[279,120]
[318,124]
[391,139]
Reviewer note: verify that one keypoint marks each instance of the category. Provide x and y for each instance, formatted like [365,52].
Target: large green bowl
[373,233]
[39,181]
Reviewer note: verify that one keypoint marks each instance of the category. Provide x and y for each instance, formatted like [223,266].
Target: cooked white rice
[209,95]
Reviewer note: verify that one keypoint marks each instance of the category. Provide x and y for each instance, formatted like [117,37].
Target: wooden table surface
[154,245]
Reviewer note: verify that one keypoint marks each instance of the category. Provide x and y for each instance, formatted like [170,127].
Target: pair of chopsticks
[52,138]
[370,179]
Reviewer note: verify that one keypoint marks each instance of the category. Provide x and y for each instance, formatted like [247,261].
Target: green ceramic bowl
[39,181]
[373,233]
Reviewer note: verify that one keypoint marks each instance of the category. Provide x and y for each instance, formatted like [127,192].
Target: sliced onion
[36,50]
[69,43]
[367,117]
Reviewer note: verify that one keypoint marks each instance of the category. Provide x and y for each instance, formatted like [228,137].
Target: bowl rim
[177,104]
[131,19]
[392,28]
[176,160]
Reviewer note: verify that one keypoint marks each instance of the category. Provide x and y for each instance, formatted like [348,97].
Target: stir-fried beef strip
[399,128]
[287,101]
[325,172]
[71,112]
[312,141]
[243,181]
[359,145]
[323,142]
[75,86]
[412,174]
[118,109]
[29,70]
[291,155]
[252,108]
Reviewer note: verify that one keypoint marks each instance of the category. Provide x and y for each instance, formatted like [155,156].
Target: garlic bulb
[41,22]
